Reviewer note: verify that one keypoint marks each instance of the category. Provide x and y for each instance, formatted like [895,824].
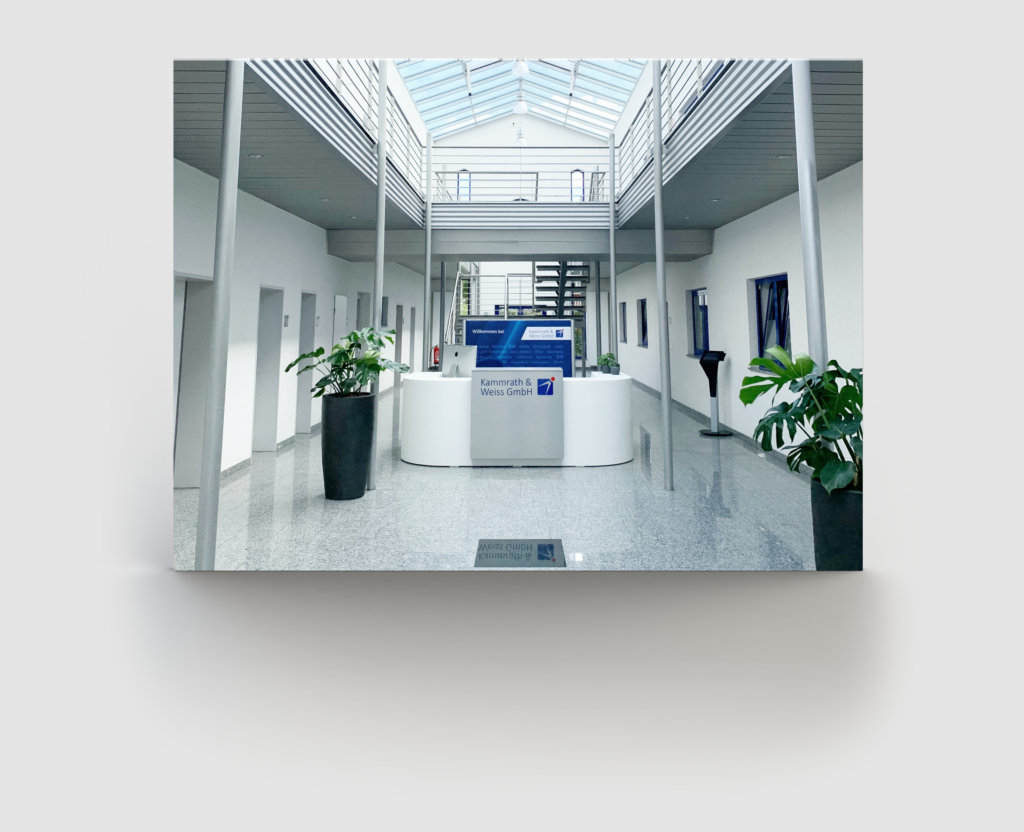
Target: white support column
[440,316]
[659,256]
[613,297]
[378,258]
[223,267]
[810,231]
[427,234]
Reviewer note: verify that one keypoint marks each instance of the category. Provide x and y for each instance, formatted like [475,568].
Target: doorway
[341,328]
[412,340]
[268,369]
[193,377]
[362,310]
[399,340]
[307,340]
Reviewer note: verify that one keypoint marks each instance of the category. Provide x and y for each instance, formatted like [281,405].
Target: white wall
[538,132]
[763,243]
[273,248]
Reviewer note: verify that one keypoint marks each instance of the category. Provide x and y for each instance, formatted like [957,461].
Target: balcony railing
[683,84]
[520,174]
[355,82]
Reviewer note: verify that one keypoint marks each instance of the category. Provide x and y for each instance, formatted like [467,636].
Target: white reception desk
[598,420]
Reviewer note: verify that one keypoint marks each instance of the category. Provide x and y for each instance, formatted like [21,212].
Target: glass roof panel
[456,94]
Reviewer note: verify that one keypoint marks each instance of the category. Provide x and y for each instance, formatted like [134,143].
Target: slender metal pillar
[595,271]
[659,256]
[613,297]
[810,231]
[378,257]
[506,297]
[427,270]
[223,266]
[440,316]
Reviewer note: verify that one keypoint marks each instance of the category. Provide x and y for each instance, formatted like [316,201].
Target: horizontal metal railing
[404,149]
[683,85]
[355,82]
[491,294]
[520,174]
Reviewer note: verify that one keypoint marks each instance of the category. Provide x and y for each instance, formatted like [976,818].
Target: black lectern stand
[710,361]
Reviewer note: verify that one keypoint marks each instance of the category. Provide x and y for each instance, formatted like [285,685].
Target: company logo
[546,386]
[559,333]
[545,551]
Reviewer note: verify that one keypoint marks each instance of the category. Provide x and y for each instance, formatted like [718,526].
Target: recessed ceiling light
[354,217]
[686,218]
[783,157]
[255,155]
[325,199]
[714,200]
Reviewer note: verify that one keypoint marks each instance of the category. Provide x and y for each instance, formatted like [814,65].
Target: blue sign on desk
[537,342]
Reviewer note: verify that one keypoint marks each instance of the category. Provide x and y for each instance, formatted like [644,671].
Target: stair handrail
[449,327]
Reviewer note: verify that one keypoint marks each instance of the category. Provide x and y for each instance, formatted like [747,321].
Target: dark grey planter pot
[838,520]
[615,370]
[345,442]
[605,368]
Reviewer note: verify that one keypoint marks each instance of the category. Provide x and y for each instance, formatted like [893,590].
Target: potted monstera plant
[827,411]
[347,422]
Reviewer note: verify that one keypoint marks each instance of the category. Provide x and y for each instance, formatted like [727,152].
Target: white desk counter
[598,420]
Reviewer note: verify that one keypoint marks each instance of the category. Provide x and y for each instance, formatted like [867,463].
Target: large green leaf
[788,367]
[803,364]
[858,446]
[752,388]
[837,474]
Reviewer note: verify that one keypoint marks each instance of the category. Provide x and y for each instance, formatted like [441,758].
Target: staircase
[560,289]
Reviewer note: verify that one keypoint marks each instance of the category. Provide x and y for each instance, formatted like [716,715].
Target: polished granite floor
[732,508]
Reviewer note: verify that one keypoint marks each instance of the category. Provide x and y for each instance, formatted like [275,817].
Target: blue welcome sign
[538,342]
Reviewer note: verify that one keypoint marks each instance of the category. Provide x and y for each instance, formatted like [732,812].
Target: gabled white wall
[272,248]
[538,132]
[760,244]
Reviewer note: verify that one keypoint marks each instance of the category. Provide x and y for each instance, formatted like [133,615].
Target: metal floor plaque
[527,553]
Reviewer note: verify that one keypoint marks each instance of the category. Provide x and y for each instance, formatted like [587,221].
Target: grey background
[160,701]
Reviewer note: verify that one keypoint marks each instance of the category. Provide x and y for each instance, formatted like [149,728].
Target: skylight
[454,94]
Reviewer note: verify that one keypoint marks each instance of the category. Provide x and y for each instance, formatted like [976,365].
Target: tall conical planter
[345,442]
[838,520]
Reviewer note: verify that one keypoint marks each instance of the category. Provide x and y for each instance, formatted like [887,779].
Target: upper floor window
[772,313]
[641,322]
[576,186]
[699,310]
[464,186]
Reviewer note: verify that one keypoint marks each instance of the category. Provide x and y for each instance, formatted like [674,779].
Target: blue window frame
[699,310]
[772,313]
[576,186]
[465,186]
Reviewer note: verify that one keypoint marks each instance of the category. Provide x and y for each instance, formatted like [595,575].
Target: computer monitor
[459,361]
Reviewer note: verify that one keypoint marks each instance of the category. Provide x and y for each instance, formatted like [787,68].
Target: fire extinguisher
[437,354]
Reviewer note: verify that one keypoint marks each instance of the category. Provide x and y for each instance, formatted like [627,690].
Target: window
[622,322]
[699,310]
[641,322]
[384,311]
[772,313]
[576,186]
[465,187]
